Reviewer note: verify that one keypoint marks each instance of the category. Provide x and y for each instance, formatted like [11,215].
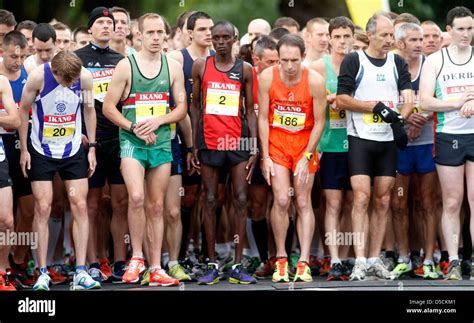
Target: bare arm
[90,119]
[33,85]
[186,131]
[10,120]
[196,108]
[249,100]
[264,83]
[407,108]
[318,91]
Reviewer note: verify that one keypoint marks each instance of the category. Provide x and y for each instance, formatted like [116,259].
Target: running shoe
[97,274]
[42,284]
[118,271]
[378,270]
[359,271]
[6,284]
[293,260]
[417,261]
[401,269]
[280,274]
[429,272]
[210,276]
[264,270]
[466,267]
[145,277]
[56,278]
[83,281]
[389,263]
[250,264]
[20,274]
[454,271]
[159,277]
[178,272]
[442,268]
[471,274]
[346,269]
[105,268]
[336,271]
[303,272]
[237,275]
[135,267]
[314,264]
[325,266]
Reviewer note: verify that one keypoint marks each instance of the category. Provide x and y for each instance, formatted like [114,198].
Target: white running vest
[453,80]
[57,121]
[374,84]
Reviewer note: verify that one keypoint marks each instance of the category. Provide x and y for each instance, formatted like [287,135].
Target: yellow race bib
[101,80]
[148,105]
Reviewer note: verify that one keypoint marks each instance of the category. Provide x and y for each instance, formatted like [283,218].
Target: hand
[388,115]
[467,96]
[467,109]
[302,170]
[25,162]
[193,161]
[250,167]
[149,139]
[399,135]
[413,133]
[85,141]
[92,162]
[417,120]
[148,126]
[268,170]
[331,98]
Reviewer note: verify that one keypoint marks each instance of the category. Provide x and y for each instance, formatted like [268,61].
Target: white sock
[165,258]
[405,259]
[451,258]
[371,261]
[54,226]
[427,262]
[172,263]
[335,261]
[361,260]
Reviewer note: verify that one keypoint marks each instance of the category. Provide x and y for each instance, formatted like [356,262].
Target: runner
[334,172]
[26,27]
[81,37]
[416,160]
[368,86]
[63,36]
[122,30]
[258,27]
[223,134]
[7,23]
[145,141]
[431,37]
[317,37]
[448,73]
[44,42]
[291,110]
[55,146]
[100,60]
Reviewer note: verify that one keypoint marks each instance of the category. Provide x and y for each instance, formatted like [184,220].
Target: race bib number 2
[223,102]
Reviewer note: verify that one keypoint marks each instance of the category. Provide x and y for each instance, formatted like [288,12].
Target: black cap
[99,12]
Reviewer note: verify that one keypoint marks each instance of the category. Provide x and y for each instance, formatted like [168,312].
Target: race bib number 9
[337,119]
[291,121]
[58,129]
[148,105]
[222,102]
[101,80]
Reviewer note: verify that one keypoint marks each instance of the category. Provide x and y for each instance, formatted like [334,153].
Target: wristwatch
[308,156]
[93,144]
[190,149]
[133,126]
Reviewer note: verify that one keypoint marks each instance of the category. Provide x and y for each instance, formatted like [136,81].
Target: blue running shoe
[238,276]
[211,275]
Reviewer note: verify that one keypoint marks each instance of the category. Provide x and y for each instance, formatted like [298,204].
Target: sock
[361,260]
[94,265]
[405,259]
[246,252]
[371,261]
[54,226]
[444,256]
[335,261]
[260,233]
[251,239]
[185,220]
[427,262]
[80,268]
[43,270]
[390,254]
[452,258]
[155,268]
[172,263]
[289,237]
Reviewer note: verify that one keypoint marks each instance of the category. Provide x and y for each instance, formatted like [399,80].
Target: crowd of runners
[140,153]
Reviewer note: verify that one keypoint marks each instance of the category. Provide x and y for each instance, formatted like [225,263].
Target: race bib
[101,80]
[58,129]
[374,123]
[223,102]
[337,119]
[291,121]
[148,105]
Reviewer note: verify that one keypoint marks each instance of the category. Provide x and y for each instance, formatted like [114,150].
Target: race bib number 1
[148,105]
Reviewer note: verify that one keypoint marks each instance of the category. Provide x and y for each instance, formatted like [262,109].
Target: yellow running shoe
[146,278]
[303,272]
[177,271]
[281,271]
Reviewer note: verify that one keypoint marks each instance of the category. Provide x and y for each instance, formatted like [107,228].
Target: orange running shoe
[442,268]
[5,284]
[135,267]
[56,278]
[326,266]
[159,277]
[105,267]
